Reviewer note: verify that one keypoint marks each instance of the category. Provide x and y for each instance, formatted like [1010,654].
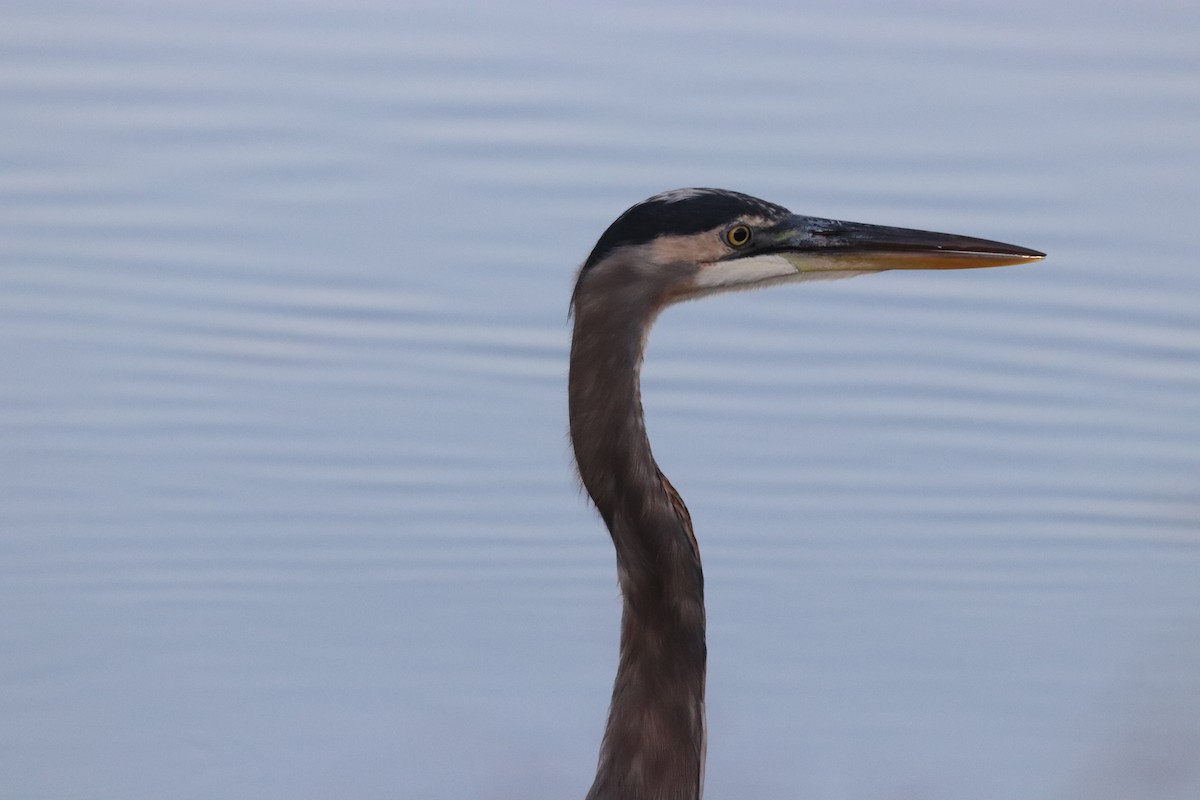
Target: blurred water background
[286,503]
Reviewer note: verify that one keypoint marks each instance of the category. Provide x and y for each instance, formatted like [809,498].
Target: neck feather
[654,742]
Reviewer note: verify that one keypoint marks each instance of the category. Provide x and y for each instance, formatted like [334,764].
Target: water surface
[286,507]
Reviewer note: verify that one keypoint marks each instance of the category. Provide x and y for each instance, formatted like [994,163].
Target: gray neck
[654,743]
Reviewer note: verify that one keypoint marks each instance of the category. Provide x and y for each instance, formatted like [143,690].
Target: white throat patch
[753,271]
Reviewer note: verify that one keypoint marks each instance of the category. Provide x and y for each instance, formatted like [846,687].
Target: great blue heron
[676,246]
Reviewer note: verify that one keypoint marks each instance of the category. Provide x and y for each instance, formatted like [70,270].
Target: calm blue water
[286,504]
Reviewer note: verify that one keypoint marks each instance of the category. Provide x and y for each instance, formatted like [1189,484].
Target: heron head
[687,243]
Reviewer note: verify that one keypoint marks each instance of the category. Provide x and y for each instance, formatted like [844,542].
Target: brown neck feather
[654,743]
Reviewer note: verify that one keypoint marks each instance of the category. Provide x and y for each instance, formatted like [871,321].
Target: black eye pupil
[739,235]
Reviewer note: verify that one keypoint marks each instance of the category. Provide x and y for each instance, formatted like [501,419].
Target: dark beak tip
[1017,250]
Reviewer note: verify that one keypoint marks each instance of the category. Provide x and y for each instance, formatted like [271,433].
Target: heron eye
[738,235]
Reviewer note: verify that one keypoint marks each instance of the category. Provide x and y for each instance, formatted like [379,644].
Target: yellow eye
[738,235]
